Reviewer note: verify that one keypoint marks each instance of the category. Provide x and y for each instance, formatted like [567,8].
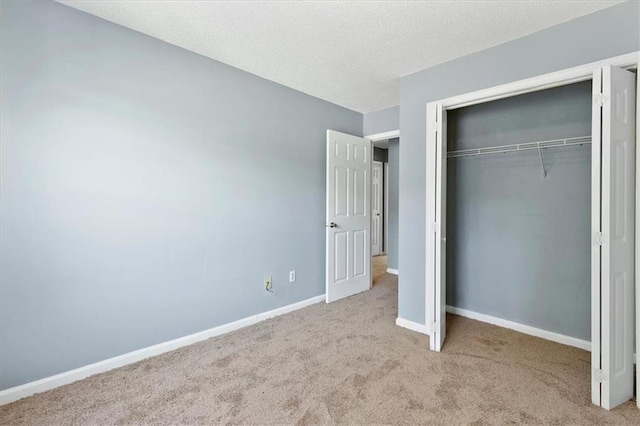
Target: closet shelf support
[544,172]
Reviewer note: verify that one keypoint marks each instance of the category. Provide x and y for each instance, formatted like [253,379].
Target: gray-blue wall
[146,191]
[518,245]
[384,120]
[610,32]
[392,250]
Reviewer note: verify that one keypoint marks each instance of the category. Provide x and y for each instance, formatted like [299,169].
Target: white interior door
[348,261]
[376,208]
[617,293]
[436,221]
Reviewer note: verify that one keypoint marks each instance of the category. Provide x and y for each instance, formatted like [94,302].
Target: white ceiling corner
[351,53]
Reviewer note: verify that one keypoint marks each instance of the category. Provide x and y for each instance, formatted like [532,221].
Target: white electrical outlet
[292,276]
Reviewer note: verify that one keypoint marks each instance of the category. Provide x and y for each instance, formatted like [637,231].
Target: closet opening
[518,216]
[531,214]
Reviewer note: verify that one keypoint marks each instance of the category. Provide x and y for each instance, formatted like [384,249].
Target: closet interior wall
[518,244]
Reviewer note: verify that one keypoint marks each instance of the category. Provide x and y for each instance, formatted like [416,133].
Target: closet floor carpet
[346,362]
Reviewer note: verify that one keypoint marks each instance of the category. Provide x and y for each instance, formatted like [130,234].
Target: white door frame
[545,81]
[385,213]
[375,137]
[637,234]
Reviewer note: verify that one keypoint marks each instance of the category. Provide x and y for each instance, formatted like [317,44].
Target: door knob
[332,225]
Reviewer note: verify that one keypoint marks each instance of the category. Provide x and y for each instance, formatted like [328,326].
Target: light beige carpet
[341,363]
[379,267]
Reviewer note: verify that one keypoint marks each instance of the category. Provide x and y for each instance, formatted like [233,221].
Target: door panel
[618,230]
[359,261]
[436,181]
[360,199]
[440,315]
[348,232]
[376,206]
[341,248]
[341,191]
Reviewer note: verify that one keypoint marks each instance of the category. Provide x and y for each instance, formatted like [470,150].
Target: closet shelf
[502,149]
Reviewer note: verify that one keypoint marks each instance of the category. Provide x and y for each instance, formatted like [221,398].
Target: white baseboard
[392,271]
[525,329]
[413,326]
[42,385]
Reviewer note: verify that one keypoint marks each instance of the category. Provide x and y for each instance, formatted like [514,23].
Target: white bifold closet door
[348,257]
[613,222]
[436,247]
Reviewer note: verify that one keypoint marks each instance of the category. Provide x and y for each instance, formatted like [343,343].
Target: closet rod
[501,149]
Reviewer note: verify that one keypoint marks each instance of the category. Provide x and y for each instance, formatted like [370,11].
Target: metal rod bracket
[544,172]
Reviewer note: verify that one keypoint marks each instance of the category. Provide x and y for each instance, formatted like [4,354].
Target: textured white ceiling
[351,53]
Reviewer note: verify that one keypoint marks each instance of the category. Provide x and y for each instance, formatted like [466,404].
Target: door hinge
[598,375]
[599,99]
[435,327]
[434,227]
[597,238]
